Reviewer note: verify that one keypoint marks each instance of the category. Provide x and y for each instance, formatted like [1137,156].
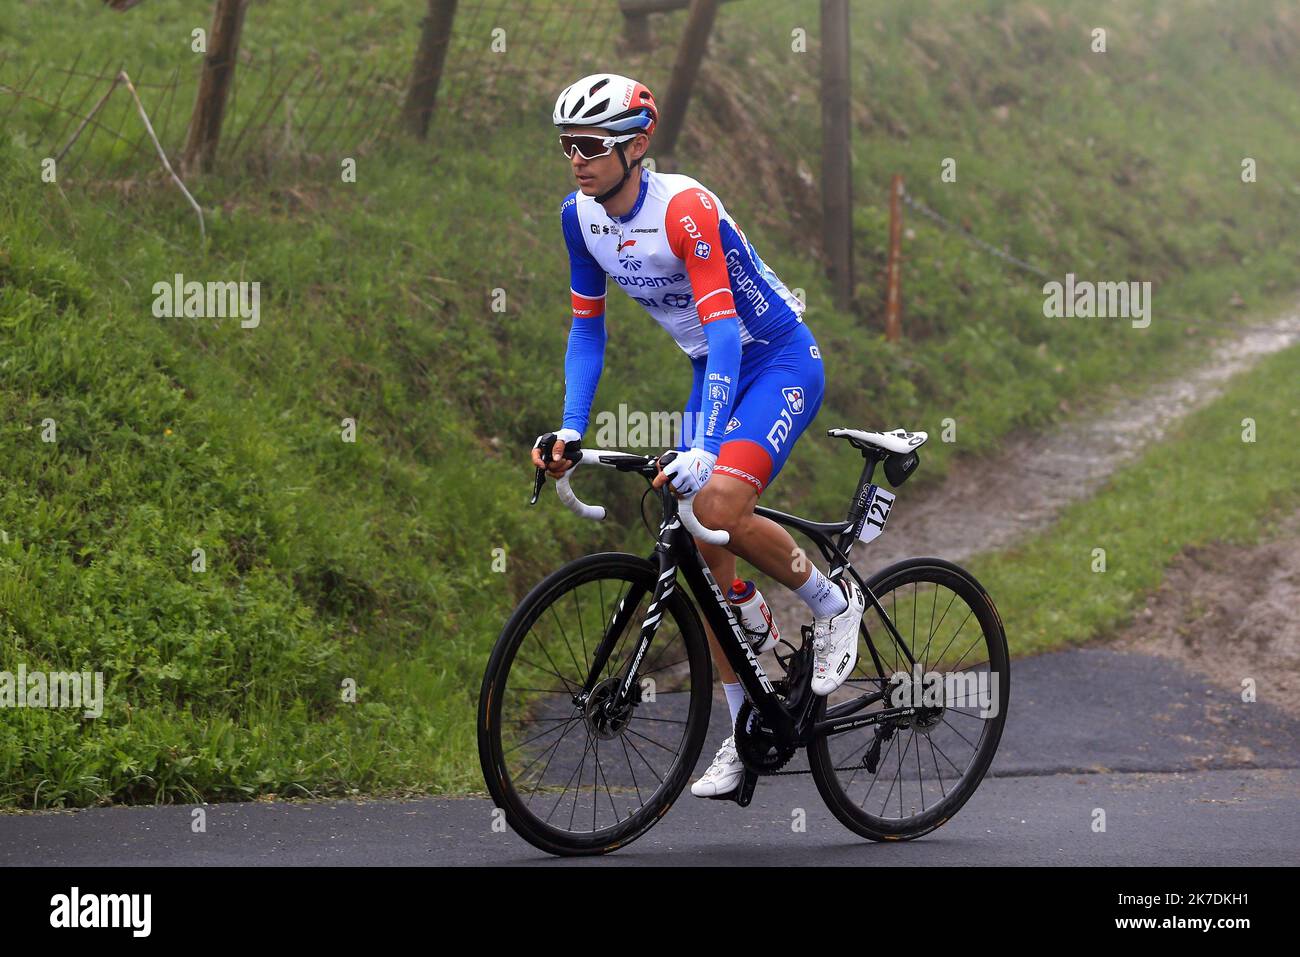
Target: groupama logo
[626,260]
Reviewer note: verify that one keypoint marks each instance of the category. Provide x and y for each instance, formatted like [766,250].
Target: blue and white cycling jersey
[687,262]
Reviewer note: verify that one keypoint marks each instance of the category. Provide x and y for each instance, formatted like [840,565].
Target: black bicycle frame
[675,551]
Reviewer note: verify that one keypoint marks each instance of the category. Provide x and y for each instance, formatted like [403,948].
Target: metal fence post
[893,327]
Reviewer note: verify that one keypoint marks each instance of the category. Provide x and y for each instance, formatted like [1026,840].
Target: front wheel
[927,764]
[573,774]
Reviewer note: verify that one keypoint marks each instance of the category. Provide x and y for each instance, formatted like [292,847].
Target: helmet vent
[597,107]
[597,85]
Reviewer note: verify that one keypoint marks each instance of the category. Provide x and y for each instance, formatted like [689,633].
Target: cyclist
[758,383]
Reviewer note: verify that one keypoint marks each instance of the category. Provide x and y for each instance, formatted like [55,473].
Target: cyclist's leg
[722,563]
[776,406]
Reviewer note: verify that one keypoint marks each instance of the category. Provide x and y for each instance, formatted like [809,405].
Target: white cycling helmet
[609,101]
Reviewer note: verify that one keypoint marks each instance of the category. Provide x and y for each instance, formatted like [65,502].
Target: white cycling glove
[690,470]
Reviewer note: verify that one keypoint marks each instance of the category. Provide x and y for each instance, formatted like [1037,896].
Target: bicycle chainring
[756,746]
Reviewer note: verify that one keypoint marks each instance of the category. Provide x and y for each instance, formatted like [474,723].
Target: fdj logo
[794,399]
[732,425]
[780,430]
[702,250]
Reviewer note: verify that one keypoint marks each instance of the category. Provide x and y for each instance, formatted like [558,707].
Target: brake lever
[544,445]
[572,452]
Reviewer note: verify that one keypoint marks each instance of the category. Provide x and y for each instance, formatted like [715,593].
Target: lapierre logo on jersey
[794,399]
[704,199]
[702,250]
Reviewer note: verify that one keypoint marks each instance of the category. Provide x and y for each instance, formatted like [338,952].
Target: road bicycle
[596,699]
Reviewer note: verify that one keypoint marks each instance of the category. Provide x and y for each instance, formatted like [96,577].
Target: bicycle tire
[606,566]
[833,792]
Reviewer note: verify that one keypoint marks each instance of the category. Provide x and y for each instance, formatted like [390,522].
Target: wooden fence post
[214,85]
[687,66]
[637,37]
[893,327]
[837,167]
[426,73]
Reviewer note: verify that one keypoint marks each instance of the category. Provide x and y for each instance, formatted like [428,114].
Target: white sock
[735,698]
[822,595]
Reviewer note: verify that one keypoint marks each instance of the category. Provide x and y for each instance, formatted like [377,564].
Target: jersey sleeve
[691,226]
[586,278]
[584,358]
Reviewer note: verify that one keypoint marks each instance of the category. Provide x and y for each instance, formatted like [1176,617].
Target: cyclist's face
[595,176]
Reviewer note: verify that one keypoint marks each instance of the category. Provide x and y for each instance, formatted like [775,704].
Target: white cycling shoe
[723,775]
[835,641]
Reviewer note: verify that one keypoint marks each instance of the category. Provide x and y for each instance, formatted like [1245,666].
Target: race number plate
[879,503]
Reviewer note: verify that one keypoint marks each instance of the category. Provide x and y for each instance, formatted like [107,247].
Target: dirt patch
[996,500]
[1231,612]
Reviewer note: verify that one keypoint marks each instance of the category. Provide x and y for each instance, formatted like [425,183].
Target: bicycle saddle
[900,440]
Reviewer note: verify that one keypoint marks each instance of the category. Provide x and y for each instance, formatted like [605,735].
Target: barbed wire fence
[947,224]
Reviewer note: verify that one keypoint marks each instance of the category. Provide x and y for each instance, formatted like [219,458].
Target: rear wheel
[577,776]
[928,764]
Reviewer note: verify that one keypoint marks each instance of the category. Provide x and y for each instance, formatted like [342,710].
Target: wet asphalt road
[1184,772]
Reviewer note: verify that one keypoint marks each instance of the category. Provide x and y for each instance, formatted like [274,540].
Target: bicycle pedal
[741,795]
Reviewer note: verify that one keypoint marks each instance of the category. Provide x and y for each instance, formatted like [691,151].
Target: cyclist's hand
[558,465]
[688,471]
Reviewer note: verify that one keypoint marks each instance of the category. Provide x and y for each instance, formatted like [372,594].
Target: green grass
[372,561]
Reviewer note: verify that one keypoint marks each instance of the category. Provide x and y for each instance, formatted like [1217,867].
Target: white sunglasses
[590,145]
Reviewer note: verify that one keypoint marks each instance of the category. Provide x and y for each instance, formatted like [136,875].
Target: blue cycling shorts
[779,393]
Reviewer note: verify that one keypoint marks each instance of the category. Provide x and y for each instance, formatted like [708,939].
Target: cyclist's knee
[724,504]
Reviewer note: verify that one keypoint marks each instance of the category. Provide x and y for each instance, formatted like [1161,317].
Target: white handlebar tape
[563,489]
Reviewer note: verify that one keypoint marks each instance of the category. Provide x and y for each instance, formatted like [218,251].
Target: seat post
[858,507]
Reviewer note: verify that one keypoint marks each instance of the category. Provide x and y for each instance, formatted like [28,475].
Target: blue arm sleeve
[582,366]
[721,375]
[585,357]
